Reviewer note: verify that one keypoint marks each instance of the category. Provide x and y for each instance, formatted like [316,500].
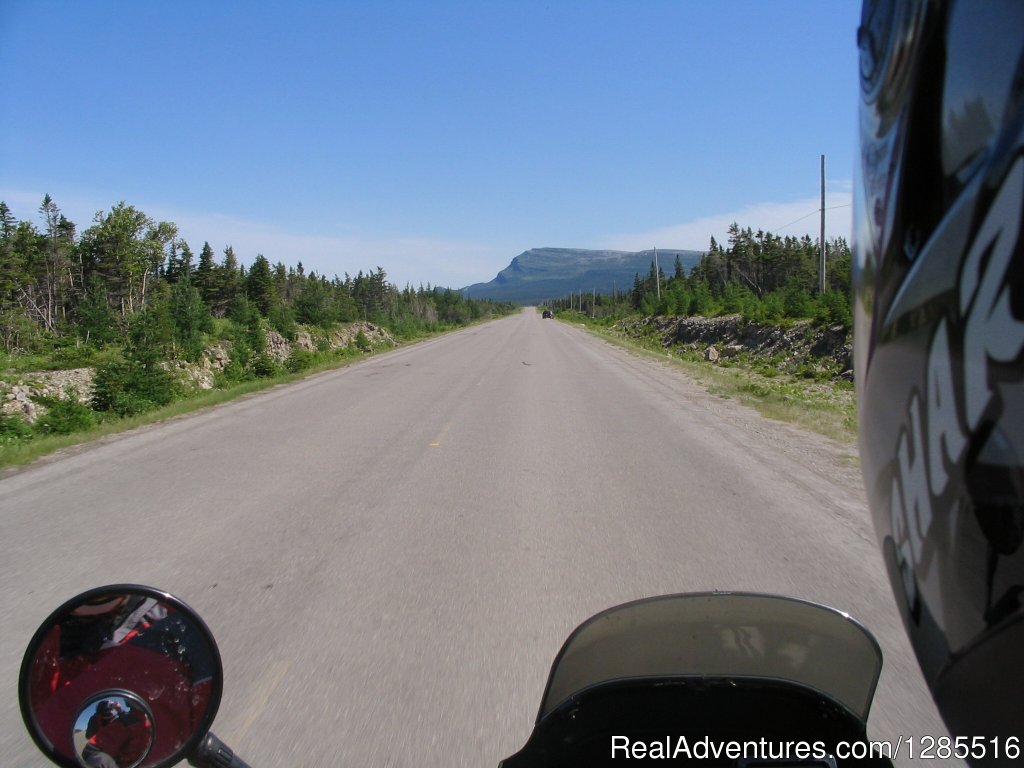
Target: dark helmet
[107,709]
[939,275]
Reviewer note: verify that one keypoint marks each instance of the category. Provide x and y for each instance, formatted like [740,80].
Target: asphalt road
[391,554]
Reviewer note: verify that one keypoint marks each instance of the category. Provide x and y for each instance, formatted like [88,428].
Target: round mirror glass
[113,730]
[123,651]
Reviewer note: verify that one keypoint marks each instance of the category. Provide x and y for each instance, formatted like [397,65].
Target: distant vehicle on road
[547,314]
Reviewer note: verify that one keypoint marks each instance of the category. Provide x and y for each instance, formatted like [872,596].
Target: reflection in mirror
[142,657]
[113,730]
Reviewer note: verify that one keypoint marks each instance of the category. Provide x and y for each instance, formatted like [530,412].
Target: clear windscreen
[721,635]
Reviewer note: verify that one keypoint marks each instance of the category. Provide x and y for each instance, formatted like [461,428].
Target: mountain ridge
[542,274]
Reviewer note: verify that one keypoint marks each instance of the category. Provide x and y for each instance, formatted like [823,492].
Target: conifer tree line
[762,276]
[129,299]
[58,285]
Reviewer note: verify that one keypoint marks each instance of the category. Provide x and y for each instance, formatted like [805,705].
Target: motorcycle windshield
[721,635]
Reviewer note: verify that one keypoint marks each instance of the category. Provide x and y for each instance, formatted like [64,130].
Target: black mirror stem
[214,753]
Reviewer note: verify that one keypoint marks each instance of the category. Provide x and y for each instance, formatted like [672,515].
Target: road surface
[391,554]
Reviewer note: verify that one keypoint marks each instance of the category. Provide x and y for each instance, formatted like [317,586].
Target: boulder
[304,341]
[278,347]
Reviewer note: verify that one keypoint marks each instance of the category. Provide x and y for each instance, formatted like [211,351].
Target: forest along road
[390,555]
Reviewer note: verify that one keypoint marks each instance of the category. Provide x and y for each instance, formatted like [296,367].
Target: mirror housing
[122,675]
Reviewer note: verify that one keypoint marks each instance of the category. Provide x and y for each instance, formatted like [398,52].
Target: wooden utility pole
[657,273]
[821,255]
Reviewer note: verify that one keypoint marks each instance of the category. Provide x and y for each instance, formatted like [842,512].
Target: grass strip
[826,407]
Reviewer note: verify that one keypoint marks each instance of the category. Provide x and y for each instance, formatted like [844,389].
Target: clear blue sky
[435,139]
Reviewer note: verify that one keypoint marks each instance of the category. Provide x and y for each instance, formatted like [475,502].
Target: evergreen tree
[260,287]
[7,221]
[637,294]
[313,304]
[171,268]
[281,283]
[206,279]
[12,262]
[179,262]
[139,381]
[191,318]
[97,322]
[229,282]
[27,250]
[54,269]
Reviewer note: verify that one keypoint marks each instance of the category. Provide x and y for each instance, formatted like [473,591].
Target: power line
[812,213]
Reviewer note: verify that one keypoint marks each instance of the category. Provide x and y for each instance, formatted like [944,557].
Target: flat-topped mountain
[542,274]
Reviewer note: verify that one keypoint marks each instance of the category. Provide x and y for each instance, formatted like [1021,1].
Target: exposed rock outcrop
[20,396]
[726,337]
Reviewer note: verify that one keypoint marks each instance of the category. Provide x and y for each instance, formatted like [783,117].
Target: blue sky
[435,139]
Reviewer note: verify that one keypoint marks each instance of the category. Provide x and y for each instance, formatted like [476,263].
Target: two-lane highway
[391,554]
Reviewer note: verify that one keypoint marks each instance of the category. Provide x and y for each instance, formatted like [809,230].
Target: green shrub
[773,308]
[77,356]
[127,387]
[14,429]
[264,366]
[282,320]
[20,334]
[63,417]
[239,358]
[299,360]
[702,301]
[834,308]
[233,373]
[797,302]
[362,343]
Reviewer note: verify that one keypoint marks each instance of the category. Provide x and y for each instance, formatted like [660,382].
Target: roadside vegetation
[760,276]
[748,323]
[162,331]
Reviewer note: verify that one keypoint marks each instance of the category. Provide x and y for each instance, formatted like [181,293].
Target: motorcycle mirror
[123,676]
[129,721]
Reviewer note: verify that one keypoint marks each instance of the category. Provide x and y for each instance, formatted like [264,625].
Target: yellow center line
[436,442]
[275,674]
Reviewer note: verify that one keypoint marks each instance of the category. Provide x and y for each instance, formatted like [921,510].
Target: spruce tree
[96,321]
[191,318]
[260,286]
[229,282]
[206,279]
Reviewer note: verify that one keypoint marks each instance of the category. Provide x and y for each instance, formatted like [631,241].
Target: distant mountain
[543,274]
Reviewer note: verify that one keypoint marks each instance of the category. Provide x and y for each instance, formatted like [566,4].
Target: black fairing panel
[580,732]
